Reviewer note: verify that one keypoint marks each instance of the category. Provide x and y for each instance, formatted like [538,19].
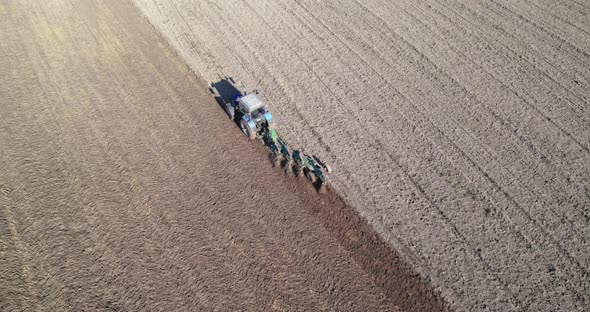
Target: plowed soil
[459,129]
[123,186]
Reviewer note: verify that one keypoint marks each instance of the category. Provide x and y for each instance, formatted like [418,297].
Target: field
[458,129]
[124,186]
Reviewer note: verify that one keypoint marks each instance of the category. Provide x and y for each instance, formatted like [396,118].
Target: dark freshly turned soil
[123,186]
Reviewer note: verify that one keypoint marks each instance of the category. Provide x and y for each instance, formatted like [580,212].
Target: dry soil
[459,129]
[123,186]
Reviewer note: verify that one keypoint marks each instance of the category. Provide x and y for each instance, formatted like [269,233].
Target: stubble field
[458,129]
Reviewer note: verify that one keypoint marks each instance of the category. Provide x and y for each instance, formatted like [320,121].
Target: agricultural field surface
[125,187]
[460,129]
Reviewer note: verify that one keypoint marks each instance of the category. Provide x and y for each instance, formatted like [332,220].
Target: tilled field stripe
[417,52]
[503,8]
[424,193]
[580,193]
[529,216]
[559,28]
[524,182]
[579,95]
[581,267]
[550,8]
[21,247]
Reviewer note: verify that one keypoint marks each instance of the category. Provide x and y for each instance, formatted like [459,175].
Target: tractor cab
[251,105]
[254,109]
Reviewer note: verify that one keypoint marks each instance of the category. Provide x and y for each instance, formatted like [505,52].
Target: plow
[255,120]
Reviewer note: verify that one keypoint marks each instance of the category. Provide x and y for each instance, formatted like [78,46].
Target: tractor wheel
[247,131]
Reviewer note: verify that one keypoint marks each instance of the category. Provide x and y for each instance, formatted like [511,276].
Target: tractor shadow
[319,186]
[224,91]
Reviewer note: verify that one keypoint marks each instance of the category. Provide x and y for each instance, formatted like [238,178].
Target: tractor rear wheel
[247,131]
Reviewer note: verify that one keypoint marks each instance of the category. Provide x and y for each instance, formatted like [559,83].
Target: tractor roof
[251,102]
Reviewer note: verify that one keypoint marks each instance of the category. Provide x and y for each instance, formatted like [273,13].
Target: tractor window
[258,112]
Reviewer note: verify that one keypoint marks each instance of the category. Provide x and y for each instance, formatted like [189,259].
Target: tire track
[553,191]
[558,28]
[564,14]
[20,249]
[566,124]
[512,51]
[554,211]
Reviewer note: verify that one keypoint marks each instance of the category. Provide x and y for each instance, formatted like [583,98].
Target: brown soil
[459,129]
[123,186]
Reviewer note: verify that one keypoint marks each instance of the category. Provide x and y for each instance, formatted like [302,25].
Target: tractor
[255,120]
[246,109]
[250,113]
